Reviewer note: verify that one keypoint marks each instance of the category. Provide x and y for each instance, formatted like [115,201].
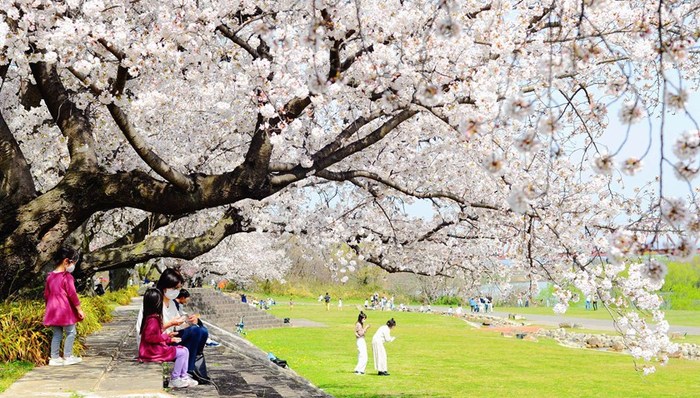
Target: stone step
[236,319]
[224,308]
[233,314]
[226,311]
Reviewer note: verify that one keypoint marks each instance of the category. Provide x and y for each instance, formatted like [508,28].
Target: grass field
[11,371]
[437,356]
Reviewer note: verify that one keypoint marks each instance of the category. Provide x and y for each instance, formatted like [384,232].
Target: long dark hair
[169,279]
[361,318]
[152,304]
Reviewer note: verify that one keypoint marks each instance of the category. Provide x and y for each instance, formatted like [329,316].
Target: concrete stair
[225,311]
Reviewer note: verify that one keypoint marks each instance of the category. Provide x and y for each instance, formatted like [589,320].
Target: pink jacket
[154,343]
[61,300]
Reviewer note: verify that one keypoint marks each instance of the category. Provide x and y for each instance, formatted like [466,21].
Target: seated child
[154,343]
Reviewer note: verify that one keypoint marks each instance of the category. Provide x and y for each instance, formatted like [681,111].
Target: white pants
[379,356]
[361,355]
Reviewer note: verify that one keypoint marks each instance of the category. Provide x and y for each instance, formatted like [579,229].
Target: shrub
[682,286]
[24,336]
[121,297]
[447,300]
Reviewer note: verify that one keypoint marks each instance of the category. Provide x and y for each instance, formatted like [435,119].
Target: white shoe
[178,383]
[190,381]
[56,362]
[72,360]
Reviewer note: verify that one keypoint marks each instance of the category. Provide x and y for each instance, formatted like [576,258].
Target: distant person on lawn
[382,335]
[62,306]
[360,331]
[327,299]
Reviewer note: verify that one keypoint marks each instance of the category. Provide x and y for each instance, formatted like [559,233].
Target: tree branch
[140,231]
[152,159]
[122,73]
[228,33]
[351,174]
[16,182]
[155,162]
[341,153]
[73,122]
[165,246]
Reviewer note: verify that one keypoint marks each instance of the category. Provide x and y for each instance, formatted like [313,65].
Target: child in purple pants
[154,343]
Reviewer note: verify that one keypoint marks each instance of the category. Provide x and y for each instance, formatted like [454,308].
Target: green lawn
[11,371]
[437,356]
[674,317]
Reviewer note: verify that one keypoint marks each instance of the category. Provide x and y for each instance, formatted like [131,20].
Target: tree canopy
[141,129]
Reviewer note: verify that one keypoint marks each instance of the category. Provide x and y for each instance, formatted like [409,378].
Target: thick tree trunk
[119,278]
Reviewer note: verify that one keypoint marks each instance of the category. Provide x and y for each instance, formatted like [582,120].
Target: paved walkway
[594,324]
[239,370]
[108,368]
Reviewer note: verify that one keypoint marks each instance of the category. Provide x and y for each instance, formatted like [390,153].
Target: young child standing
[154,343]
[62,307]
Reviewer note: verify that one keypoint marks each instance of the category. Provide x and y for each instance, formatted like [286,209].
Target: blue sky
[635,146]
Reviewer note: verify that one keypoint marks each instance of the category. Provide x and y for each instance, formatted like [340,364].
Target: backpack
[200,366]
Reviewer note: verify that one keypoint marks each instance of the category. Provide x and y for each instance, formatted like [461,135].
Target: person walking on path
[382,335]
[340,304]
[360,331]
[63,309]
[154,342]
[327,299]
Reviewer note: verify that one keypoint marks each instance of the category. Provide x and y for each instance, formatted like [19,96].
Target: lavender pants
[182,355]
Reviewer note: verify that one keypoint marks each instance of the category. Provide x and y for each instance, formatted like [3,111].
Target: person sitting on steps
[180,303]
[194,338]
[154,345]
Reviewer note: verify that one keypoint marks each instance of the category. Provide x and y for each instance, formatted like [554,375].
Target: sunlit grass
[12,371]
[438,356]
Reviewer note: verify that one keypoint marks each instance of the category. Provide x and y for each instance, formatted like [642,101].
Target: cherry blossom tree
[139,130]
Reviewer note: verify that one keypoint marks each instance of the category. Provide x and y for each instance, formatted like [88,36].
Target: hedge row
[24,337]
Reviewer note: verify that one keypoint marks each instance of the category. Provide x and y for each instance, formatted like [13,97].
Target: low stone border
[608,342]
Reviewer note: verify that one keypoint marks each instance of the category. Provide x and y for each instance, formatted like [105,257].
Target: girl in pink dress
[62,307]
[154,343]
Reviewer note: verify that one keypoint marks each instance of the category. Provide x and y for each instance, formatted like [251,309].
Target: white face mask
[171,294]
[70,268]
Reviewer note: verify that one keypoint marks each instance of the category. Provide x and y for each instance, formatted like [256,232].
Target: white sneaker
[180,382]
[190,381]
[72,360]
[56,361]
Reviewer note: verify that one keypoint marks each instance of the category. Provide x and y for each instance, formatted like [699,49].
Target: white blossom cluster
[486,180]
